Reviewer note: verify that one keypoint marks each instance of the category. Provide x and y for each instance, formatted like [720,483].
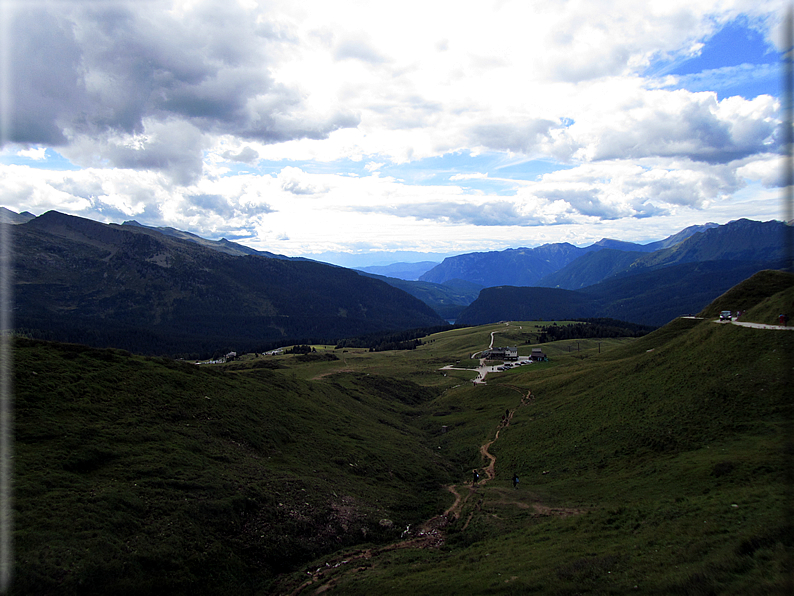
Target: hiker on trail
[515,480]
[476,477]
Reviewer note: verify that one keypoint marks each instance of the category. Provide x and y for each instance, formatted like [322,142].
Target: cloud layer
[286,123]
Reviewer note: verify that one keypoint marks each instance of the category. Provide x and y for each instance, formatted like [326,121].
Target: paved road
[481,370]
[758,325]
[751,325]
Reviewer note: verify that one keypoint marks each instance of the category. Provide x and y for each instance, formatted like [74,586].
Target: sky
[366,133]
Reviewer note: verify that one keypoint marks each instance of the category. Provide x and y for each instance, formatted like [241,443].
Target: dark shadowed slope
[590,269]
[652,297]
[135,288]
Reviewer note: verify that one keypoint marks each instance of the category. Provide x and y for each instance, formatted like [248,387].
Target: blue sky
[312,128]
[722,64]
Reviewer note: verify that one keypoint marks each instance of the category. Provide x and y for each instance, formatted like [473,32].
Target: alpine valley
[621,465]
[384,451]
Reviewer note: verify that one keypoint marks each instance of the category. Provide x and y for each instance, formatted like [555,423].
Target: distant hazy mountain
[447,299]
[657,296]
[650,288]
[515,266]
[740,240]
[590,269]
[406,271]
[676,238]
[536,266]
[146,291]
[223,245]
[608,243]
[12,217]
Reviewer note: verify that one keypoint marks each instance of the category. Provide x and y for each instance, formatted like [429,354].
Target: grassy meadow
[647,466]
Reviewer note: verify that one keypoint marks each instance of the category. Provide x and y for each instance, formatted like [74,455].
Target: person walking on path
[515,480]
[476,477]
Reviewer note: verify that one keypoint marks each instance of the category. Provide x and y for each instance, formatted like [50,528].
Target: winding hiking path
[490,469]
[430,533]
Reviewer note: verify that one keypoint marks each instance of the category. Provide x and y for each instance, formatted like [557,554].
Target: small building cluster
[538,355]
[509,353]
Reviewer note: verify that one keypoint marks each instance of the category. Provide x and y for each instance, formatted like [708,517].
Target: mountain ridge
[738,248]
[537,266]
[135,288]
[222,245]
[651,297]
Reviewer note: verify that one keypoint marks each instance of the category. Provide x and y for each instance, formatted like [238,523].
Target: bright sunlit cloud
[304,127]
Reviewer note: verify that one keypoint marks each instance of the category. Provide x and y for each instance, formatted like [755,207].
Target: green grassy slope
[656,467]
[764,296]
[138,475]
[651,465]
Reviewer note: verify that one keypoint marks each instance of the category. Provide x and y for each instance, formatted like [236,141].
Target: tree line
[394,340]
[592,328]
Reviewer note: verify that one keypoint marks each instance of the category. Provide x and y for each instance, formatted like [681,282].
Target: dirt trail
[490,469]
[454,509]
[430,534]
[331,372]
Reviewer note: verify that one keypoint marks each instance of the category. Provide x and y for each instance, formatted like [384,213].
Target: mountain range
[165,291]
[223,245]
[406,271]
[528,266]
[653,297]
[703,262]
